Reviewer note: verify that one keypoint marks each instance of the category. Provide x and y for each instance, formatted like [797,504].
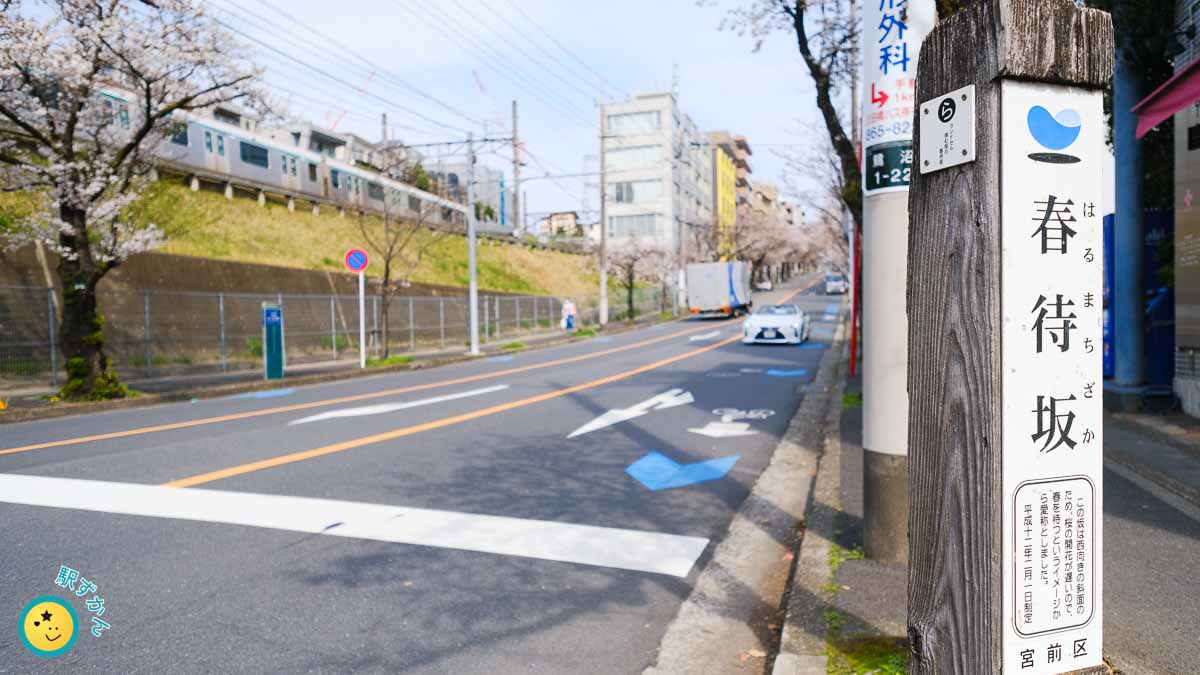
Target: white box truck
[718,288]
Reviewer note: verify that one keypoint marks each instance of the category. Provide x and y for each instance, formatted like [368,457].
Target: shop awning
[1172,96]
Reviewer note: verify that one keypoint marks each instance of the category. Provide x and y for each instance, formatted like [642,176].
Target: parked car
[836,284]
[779,324]
[764,285]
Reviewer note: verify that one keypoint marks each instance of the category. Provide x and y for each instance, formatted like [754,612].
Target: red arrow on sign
[881,98]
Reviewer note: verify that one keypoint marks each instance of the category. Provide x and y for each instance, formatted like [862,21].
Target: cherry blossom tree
[633,261]
[89,91]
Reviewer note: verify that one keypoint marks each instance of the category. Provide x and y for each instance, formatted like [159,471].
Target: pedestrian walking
[569,316]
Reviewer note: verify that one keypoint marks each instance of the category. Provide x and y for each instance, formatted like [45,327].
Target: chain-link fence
[152,333]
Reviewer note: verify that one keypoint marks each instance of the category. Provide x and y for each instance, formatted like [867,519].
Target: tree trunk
[81,329]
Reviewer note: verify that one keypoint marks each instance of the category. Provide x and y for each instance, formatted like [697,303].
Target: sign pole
[892,34]
[362,319]
[1004,341]
[356,261]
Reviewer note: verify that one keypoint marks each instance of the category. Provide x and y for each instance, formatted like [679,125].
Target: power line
[336,79]
[569,52]
[438,23]
[386,74]
[287,63]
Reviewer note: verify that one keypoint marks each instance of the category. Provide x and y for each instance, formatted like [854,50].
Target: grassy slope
[205,224]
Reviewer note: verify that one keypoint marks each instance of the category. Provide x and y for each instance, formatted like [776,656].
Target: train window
[180,138]
[414,204]
[312,172]
[124,116]
[293,166]
[254,154]
[334,177]
[375,191]
[221,144]
[283,164]
[208,141]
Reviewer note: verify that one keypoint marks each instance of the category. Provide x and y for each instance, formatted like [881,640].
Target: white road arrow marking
[724,429]
[705,336]
[392,407]
[667,399]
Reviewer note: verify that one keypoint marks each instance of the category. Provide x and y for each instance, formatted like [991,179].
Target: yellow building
[724,198]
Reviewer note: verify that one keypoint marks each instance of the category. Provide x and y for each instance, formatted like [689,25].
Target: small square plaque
[948,130]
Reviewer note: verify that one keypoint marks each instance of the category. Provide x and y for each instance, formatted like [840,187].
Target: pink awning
[1172,96]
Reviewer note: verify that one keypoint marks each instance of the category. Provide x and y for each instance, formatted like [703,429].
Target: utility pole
[1006,428]
[473,293]
[854,111]
[887,165]
[384,135]
[603,226]
[516,191]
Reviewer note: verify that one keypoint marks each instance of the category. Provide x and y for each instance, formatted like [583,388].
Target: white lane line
[636,550]
[392,407]
[705,336]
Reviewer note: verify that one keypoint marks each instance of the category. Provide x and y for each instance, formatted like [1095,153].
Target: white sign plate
[948,130]
[1052,153]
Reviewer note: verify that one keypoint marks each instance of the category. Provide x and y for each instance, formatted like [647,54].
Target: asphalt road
[438,521]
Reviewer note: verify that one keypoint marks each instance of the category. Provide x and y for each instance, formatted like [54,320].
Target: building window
[312,172]
[641,225]
[254,154]
[628,124]
[635,191]
[639,157]
[227,117]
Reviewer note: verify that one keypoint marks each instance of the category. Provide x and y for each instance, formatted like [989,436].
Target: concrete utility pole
[1005,341]
[384,131]
[516,191]
[603,309]
[473,291]
[888,71]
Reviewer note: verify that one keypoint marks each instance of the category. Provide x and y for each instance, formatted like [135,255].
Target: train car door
[217,147]
[289,170]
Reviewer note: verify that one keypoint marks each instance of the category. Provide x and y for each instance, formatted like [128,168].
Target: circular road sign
[356,260]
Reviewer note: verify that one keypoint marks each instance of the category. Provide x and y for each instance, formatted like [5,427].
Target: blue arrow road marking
[787,373]
[832,308]
[272,393]
[658,472]
[812,345]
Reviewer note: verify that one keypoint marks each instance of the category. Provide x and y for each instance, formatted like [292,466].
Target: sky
[441,69]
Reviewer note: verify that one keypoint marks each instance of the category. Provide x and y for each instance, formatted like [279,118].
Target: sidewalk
[847,614]
[26,403]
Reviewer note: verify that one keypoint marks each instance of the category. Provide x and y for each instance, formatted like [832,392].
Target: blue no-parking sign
[356,260]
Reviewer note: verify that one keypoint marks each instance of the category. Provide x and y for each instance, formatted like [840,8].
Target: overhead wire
[569,52]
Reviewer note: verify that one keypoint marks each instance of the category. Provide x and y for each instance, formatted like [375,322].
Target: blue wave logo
[1054,132]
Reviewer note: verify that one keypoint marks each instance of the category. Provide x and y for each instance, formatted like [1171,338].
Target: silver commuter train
[221,150]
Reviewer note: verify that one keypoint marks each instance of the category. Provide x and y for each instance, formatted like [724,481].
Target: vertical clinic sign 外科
[1051,299]
[891,41]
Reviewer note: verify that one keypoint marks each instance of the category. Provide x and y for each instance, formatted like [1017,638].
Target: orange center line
[290,458]
[341,399]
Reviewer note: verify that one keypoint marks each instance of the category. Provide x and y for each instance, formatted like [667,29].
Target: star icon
[46,616]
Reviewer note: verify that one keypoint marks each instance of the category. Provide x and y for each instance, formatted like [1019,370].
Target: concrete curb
[802,647]
[14,415]
[728,623]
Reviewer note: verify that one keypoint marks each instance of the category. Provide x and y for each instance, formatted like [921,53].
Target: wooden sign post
[1005,255]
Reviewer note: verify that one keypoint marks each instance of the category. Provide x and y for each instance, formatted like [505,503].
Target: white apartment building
[657,172]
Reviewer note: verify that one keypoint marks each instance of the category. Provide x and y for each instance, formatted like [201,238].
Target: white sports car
[782,324]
